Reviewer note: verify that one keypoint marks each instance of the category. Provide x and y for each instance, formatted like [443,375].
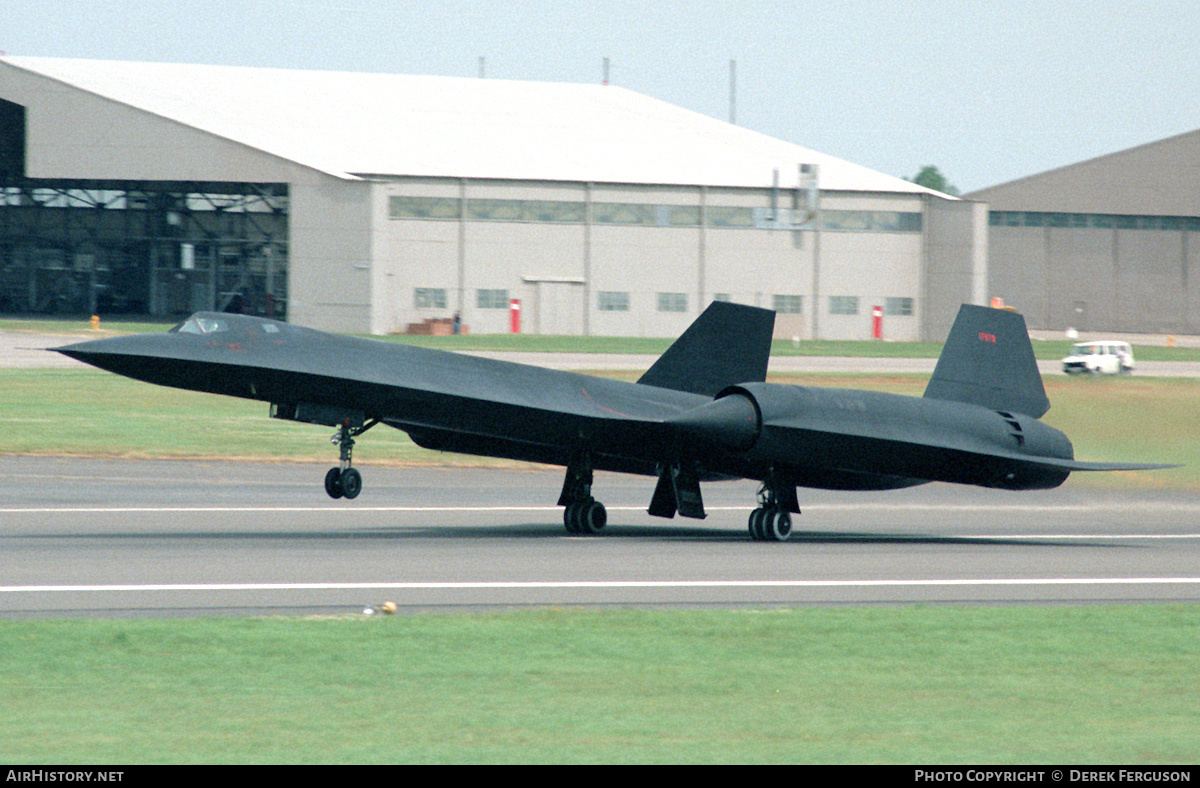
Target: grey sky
[988,91]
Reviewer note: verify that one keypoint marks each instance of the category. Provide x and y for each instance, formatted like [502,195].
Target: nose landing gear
[344,481]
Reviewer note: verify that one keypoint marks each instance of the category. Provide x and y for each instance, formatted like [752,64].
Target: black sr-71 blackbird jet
[702,412]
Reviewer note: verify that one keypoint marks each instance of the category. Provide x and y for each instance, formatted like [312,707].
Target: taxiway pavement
[84,537]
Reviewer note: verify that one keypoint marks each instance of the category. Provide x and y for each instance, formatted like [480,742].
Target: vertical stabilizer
[728,344]
[988,360]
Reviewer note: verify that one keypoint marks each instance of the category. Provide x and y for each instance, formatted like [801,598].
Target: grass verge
[1103,684]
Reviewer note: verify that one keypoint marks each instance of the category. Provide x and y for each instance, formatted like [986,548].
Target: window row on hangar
[1092,220]
[644,214]
[619,301]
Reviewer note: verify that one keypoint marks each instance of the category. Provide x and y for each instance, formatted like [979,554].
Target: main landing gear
[344,481]
[583,514]
[772,520]
[585,517]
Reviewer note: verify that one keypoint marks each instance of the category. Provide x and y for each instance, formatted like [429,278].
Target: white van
[1102,357]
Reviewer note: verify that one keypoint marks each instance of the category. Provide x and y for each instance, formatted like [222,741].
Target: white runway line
[814,508]
[602,584]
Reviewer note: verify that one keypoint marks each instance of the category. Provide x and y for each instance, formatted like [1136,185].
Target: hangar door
[557,306]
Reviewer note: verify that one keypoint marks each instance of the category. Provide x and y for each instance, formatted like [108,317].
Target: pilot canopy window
[201,325]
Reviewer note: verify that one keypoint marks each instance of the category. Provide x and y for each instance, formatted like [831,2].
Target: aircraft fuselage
[815,437]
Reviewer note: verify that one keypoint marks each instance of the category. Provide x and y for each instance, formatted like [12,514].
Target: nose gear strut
[345,481]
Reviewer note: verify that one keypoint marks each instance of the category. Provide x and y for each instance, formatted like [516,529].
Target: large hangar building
[1111,244]
[367,202]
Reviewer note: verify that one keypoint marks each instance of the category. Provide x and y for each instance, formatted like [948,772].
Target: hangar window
[406,207]
[872,221]
[719,216]
[672,302]
[429,298]
[843,305]
[553,211]
[488,210]
[623,213]
[787,304]
[1100,221]
[683,215]
[646,215]
[899,307]
[613,301]
[491,299]
[494,210]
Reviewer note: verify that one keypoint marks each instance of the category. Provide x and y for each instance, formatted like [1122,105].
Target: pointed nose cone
[103,352]
[731,422]
[133,356]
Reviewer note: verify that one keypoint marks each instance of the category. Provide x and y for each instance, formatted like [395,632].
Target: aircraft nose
[112,354]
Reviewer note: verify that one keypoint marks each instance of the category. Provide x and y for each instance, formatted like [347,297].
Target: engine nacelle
[731,421]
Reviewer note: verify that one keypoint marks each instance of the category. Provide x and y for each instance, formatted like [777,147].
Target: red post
[514,314]
[877,322]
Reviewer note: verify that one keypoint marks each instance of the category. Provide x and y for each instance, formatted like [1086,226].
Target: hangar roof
[351,125]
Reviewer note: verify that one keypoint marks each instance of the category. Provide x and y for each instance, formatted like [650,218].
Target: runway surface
[81,537]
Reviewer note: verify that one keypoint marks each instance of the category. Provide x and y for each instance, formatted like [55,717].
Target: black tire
[778,525]
[756,529]
[592,517]
[333,483]
[351,482]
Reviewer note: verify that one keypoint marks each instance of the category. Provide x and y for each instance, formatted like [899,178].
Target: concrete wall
[1107,244]
[1098,279]
[871,266]
[329,284]
[956,262]
[561,269]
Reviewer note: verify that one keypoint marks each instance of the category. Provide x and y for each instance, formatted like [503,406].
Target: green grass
[92,413]
[89,412]
[77,326]
[1092,684]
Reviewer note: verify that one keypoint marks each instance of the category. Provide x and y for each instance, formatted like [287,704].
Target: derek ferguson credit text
[1052,776]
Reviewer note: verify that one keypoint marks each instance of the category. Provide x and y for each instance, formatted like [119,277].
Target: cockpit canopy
[213,323]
